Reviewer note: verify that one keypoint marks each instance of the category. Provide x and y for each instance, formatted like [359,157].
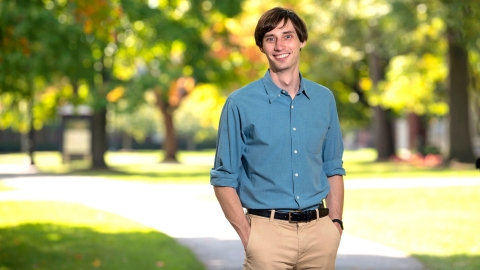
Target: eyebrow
[286,32]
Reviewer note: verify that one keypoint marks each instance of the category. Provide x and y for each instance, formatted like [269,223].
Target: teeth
[282,55]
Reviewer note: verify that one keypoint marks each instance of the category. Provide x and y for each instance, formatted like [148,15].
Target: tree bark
[460,143]
[383,127]
[99,128]
[99,139]
[417,133]
[31,133]
[170,143]
[383,124]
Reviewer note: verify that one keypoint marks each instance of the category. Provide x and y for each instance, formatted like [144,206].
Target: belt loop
[318,215]
[272,215]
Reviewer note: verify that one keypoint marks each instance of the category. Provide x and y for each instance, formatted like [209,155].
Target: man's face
[282,47]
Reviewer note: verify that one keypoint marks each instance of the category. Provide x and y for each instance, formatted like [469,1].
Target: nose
[279,45]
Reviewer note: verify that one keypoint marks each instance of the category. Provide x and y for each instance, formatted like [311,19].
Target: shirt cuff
[333,167]
[223,179]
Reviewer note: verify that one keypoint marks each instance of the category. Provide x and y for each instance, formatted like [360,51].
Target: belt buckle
[290,216]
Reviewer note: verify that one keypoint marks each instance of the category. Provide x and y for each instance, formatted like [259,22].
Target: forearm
[233,211]
[335,197]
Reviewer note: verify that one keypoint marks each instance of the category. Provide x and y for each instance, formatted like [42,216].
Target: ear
[303,44]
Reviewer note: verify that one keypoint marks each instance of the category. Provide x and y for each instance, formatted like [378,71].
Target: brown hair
[273,17]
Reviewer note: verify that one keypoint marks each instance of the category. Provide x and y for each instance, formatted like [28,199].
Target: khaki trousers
[277,244]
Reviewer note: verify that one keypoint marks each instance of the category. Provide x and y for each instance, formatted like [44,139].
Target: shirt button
[295,151]
[298,197]
[292,106]
[294,129]
[283,91]
[296,174]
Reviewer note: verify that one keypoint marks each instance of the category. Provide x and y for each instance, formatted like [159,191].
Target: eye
[270,39]
[288,36]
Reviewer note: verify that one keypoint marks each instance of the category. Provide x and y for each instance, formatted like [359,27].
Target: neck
[288,80]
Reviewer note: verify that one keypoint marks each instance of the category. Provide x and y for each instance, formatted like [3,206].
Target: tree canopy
[382,59]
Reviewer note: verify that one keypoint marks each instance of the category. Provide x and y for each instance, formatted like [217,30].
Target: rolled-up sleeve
[333,144]
[230,146]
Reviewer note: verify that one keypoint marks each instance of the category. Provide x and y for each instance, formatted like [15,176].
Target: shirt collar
[273,91]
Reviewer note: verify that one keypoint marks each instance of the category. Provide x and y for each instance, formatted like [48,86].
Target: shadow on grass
[53,246]
[460,261]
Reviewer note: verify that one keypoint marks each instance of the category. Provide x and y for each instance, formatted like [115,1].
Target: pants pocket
[336,229]
[249,242]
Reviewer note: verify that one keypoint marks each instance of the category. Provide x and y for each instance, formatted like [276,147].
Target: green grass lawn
[135,166]
[54,235]
[440,226]
[195,166]
[361,165]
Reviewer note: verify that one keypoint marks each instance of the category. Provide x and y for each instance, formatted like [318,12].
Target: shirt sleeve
[230,147]
[333,144]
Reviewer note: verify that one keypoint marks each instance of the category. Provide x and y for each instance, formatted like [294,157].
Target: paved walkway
[212,240]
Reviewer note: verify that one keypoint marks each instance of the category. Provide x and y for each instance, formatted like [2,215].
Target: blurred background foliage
[164,67]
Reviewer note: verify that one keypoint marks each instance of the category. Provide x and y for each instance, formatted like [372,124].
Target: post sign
[76,138]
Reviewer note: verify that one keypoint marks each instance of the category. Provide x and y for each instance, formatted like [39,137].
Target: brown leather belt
[292,216]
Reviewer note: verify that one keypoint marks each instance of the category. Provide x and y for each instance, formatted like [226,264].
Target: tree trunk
[383,124]
[99,139]
[31,133]
[383,128]
[417,133]
[170,142]
[31,139]
[460,142]
[99,128]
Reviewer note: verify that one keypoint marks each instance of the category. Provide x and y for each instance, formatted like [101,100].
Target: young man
[279,155]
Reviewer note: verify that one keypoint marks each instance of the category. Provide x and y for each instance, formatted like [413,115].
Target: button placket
[295,162]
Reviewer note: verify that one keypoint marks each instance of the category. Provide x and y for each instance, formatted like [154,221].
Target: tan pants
[277,244]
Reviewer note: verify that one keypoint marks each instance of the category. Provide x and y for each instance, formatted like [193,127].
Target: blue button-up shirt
[278,152]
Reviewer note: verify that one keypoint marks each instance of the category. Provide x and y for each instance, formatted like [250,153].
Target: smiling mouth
[281,56]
